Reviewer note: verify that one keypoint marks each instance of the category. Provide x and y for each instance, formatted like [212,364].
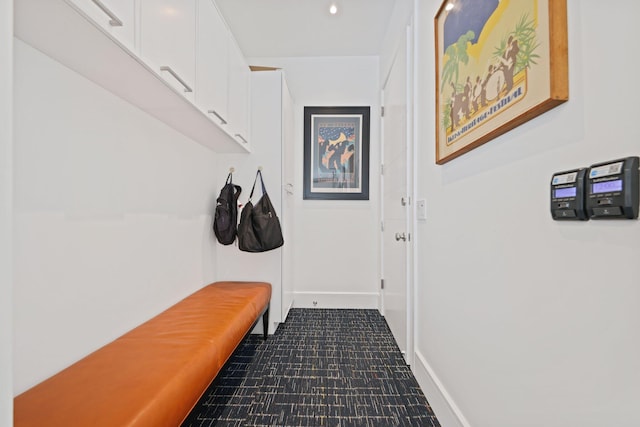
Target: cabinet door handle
[115,21]
[242,138]
[187,88]
[223,121]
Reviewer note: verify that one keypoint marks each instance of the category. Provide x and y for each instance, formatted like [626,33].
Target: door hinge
[381,283]
[381,168]
[381,225]
[382,111]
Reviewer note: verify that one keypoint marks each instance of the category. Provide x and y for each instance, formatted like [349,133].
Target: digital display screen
[564,192]
[607,186]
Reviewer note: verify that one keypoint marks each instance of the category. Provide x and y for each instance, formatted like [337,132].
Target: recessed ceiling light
[333,9]
[448,7]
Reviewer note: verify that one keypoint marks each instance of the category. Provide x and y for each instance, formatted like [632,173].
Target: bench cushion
[154,374]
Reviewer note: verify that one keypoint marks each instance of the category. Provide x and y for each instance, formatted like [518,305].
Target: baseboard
[441,402]
[286,313]
[335,300]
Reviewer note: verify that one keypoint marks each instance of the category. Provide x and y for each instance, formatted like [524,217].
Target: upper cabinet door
[239,92]
[212,63]
[168,41]
[117,17]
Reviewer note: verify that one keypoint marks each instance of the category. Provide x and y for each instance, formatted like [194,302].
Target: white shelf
[64,33]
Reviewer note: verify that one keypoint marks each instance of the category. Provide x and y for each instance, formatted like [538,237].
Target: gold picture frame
[499,63]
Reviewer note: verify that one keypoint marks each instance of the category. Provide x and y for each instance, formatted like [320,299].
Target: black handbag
[259,229]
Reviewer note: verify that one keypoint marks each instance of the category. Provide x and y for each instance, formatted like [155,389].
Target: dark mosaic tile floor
[338,368]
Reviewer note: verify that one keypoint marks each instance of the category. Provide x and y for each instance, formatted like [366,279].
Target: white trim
[289,307]
[414,184]
[410,185]
[363,300]
[381,307]
[446,410]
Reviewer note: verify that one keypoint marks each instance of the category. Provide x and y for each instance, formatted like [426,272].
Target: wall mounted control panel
[613,190]
[567,195]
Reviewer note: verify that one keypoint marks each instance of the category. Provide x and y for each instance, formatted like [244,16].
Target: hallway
[322,367]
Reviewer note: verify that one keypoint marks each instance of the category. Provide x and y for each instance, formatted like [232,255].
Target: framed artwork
[498,65]
[336,153]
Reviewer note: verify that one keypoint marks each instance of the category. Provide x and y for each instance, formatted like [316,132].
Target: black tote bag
[259,229]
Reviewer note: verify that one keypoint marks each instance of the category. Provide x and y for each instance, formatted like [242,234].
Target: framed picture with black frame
[336,153]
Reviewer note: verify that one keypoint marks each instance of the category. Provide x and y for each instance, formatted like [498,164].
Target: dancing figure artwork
[336,152]
[493,62]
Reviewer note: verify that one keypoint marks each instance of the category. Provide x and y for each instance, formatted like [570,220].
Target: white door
[117,17]
[168,41]
[396,203]
[288,196]
[212,63]
[239,92]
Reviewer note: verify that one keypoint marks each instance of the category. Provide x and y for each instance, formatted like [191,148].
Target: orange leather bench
[154,374]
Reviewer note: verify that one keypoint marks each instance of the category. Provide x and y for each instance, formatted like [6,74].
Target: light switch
[421,206]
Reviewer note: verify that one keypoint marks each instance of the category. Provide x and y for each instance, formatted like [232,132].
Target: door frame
[411,178]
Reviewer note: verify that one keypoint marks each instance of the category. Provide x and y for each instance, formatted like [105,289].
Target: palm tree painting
[463,24]
[456,53]
[495,60]
[525,33]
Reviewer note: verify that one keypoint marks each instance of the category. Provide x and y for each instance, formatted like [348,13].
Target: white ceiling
[284,28]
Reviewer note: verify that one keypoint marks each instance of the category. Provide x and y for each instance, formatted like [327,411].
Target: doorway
[396,201]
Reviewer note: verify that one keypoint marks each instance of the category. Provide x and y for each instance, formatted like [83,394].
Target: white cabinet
[272,127]
[239,93]
[223,77]
[168,41]
[212,65]
[150,60]
[116,17]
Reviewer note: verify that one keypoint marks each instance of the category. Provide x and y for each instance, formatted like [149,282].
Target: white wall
[112,216]
[6,161]
[524,320]
[335,259]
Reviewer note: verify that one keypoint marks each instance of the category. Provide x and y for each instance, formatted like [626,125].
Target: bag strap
[237,188]
[264,190]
